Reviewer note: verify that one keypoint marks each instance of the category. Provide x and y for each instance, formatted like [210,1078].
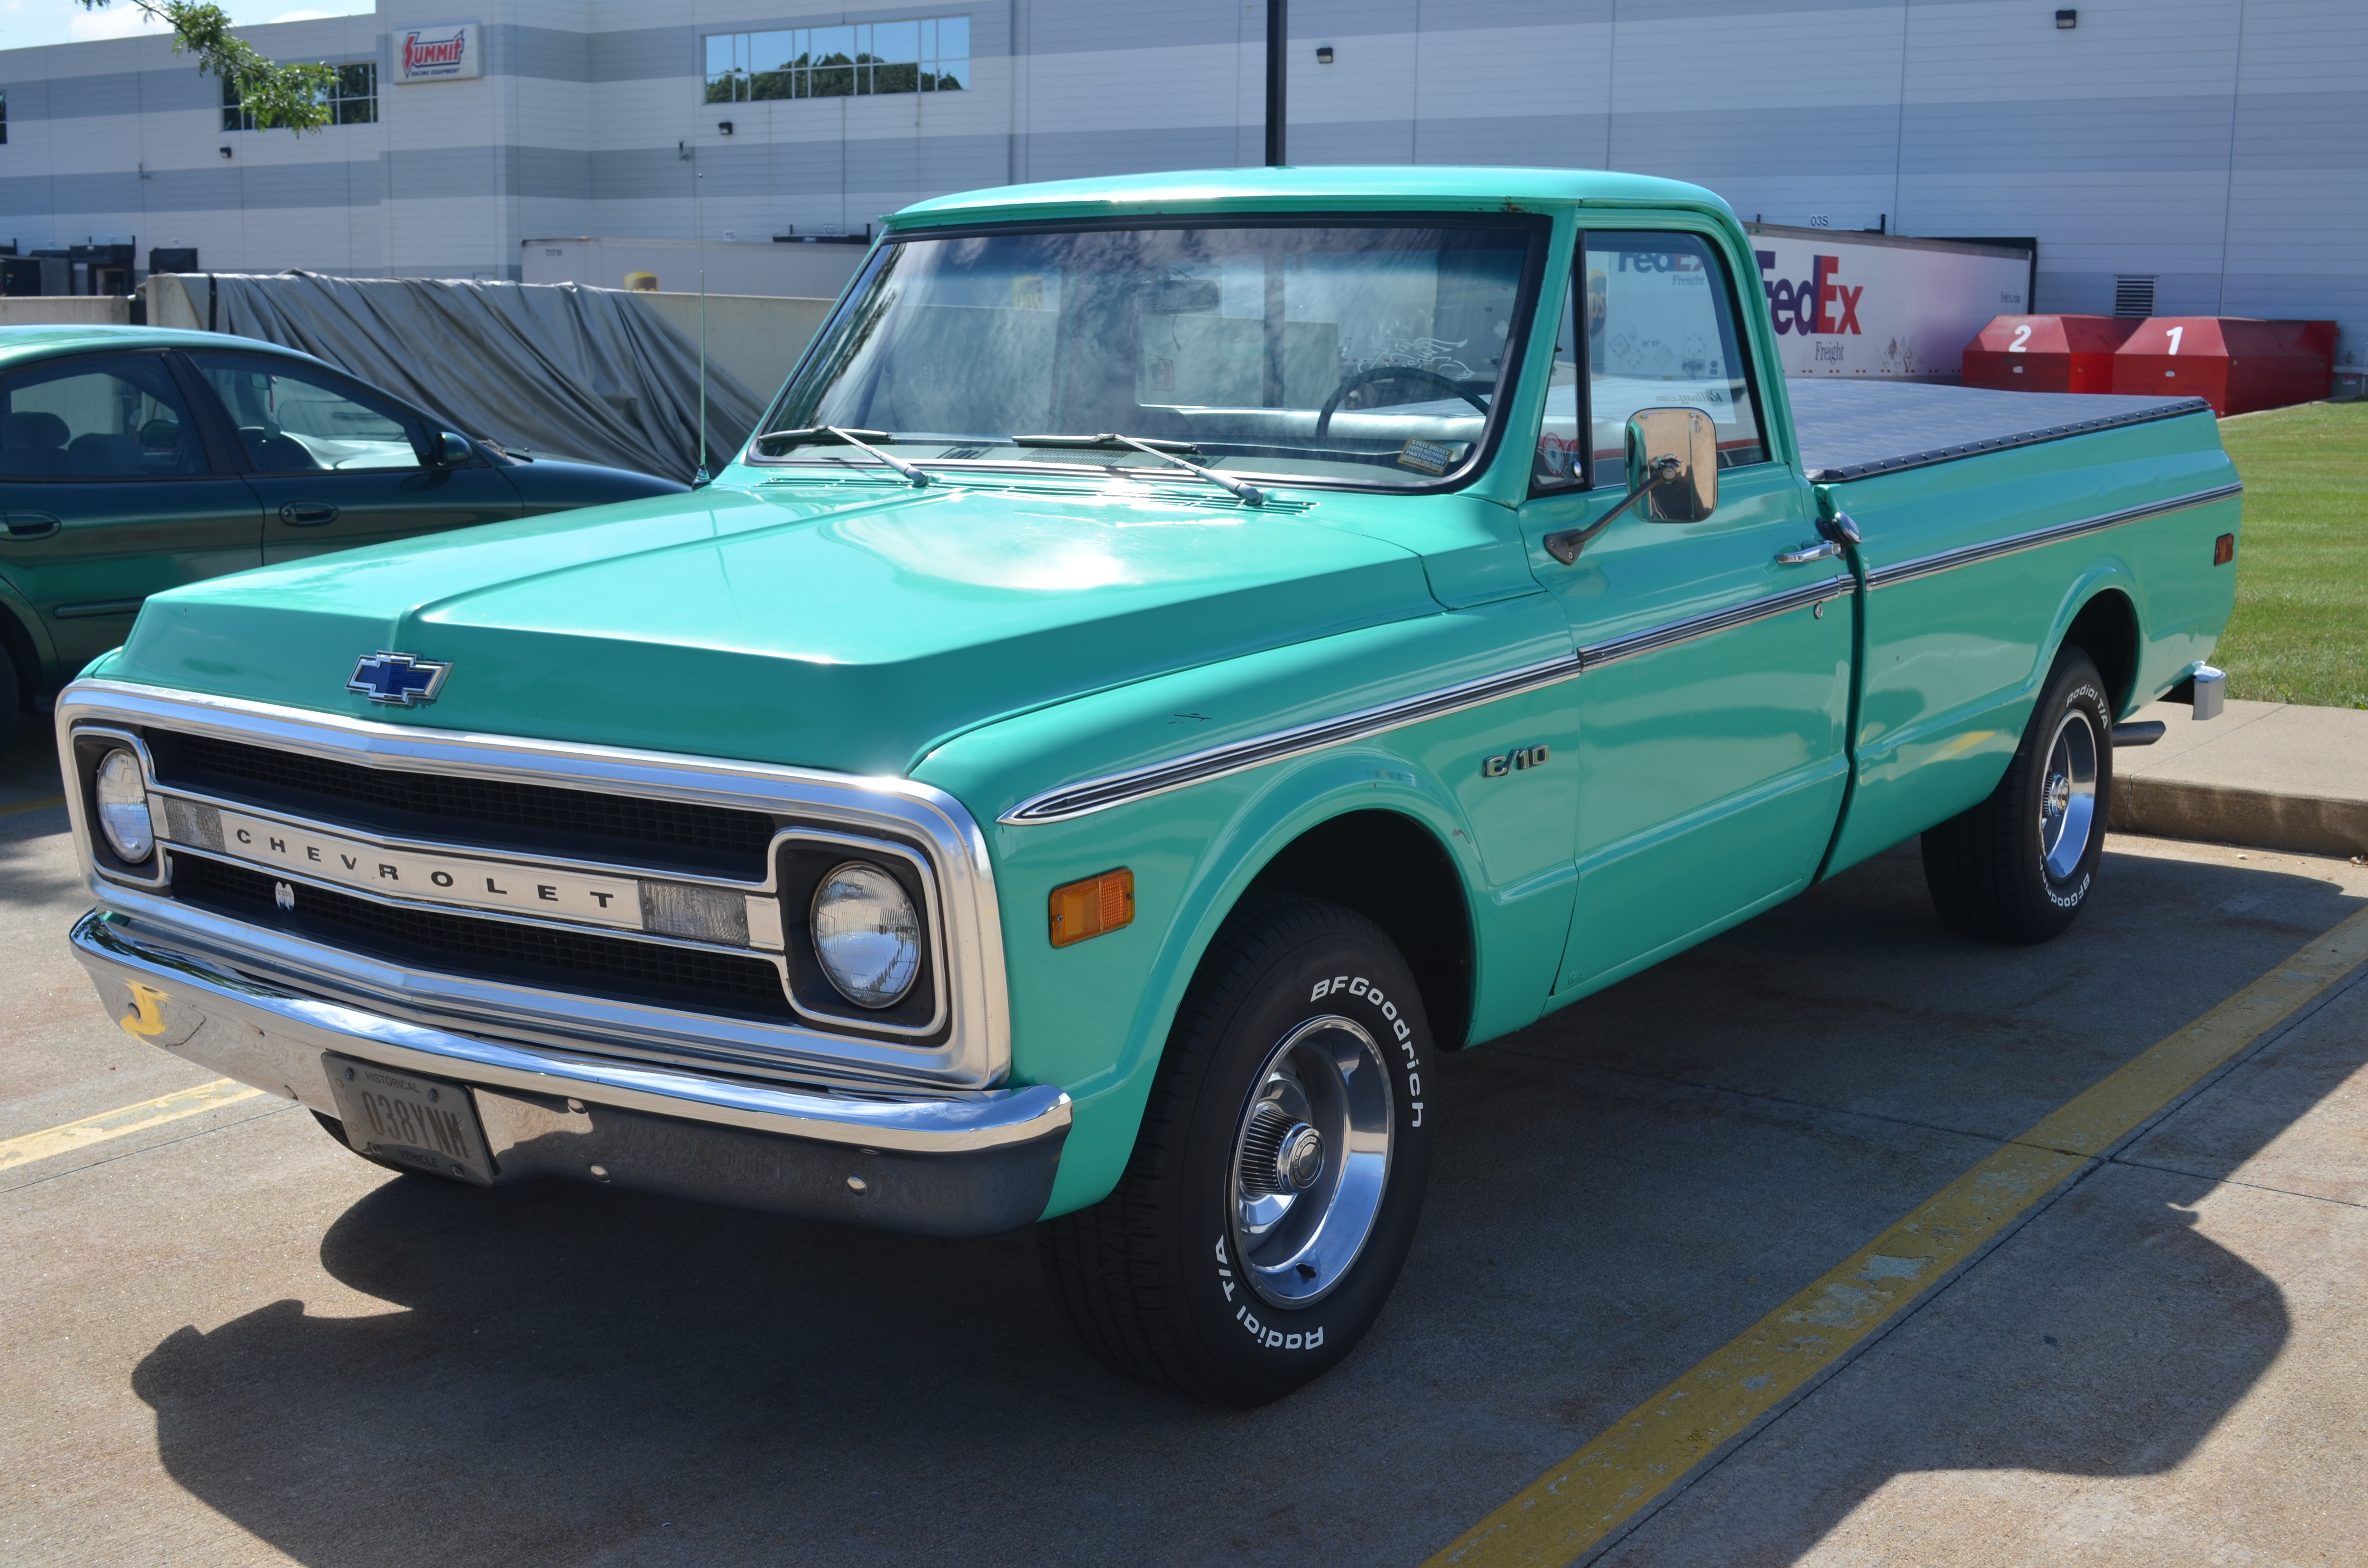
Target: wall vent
[2133,295]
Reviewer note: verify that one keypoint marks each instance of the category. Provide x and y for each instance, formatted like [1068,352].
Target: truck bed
[1853,430]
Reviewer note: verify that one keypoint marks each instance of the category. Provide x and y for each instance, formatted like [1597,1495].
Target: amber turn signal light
[2224,550]
[1085,909]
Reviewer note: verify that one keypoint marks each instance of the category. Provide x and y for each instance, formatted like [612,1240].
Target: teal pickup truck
[1180,653]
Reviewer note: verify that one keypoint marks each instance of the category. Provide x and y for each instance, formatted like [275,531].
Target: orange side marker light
[1079,910]
[2224,550]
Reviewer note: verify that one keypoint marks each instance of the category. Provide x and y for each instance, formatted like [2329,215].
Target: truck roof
[1365,186]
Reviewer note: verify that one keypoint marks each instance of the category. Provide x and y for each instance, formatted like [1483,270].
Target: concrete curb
[2306,825]
[2277,776]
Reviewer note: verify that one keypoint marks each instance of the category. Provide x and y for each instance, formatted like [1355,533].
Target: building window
[351,95]
[930,55]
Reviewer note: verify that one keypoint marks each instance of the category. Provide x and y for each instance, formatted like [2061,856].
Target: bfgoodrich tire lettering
[1279,1174]
[2018,866]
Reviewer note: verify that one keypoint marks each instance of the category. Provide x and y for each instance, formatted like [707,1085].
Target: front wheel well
[2107,631]
[1394,872]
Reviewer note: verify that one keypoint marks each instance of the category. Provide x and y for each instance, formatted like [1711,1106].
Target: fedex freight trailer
[1851,303]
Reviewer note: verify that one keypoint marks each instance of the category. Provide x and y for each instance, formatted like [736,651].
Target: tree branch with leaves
[275,96]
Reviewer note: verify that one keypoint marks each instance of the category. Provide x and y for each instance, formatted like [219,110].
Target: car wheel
[2018,866]
[1279,1173]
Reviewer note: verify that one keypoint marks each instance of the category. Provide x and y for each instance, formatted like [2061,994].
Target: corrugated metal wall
[2215,145]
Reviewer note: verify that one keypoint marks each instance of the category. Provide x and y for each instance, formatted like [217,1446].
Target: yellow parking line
[1579,1502]
[117,1123]
[43,805]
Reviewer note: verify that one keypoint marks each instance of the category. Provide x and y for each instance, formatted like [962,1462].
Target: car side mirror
[1673,462]
[1672,470]
[453,451]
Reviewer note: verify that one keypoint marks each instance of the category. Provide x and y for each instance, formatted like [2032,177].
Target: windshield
[1366,354]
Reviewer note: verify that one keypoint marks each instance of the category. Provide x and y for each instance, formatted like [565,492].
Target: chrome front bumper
[968,1166]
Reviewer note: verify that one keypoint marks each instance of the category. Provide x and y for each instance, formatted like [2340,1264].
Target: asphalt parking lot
[223,1340]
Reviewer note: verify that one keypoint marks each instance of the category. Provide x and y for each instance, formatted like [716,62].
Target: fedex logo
[1816,304]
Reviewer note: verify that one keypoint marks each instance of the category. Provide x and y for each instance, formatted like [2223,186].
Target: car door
[1713,702]
[112,494]
[336,464]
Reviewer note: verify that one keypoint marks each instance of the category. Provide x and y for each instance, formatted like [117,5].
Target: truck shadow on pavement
[572,1374]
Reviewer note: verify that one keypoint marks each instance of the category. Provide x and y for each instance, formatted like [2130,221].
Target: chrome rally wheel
[2067,797]
[1311,1161]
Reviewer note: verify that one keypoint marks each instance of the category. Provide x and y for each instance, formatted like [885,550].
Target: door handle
[1824,550]
[307,514]
[31,525]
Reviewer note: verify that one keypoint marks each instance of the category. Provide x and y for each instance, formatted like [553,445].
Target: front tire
[2018,866]
[1279,1174]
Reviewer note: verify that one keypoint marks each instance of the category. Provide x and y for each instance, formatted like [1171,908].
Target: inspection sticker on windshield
[1431,457]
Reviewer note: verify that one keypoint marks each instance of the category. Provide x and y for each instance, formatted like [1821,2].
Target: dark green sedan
[134,460]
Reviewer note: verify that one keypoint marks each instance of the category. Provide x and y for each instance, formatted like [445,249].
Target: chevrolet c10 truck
[1180,653]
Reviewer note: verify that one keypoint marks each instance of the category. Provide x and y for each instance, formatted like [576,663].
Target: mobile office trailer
[1849,302]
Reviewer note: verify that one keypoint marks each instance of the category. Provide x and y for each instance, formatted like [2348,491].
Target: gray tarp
[551,368]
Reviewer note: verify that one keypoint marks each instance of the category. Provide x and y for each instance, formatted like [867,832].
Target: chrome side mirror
[1673,463]
[454,451]
[1672,467]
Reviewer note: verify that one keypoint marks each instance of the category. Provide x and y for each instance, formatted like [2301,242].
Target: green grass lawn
[2300,633]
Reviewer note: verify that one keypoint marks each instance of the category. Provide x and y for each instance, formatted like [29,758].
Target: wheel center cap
[1300,1161]
[2059,795]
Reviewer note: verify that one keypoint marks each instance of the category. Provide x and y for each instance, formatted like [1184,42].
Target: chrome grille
[490,948]
[582,823]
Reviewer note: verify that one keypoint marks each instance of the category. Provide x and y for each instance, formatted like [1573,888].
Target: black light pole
[1278,46]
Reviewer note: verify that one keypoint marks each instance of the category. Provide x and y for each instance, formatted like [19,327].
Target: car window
[1660,334]
[113,418]
[291,420]
[1558,459]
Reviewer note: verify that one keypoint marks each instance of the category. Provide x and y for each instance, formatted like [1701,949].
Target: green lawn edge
[2300,632]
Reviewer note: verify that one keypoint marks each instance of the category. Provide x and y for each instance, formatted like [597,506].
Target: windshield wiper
[1166,451]
[859,439]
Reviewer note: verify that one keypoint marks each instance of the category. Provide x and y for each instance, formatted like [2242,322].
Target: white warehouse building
[2212,149]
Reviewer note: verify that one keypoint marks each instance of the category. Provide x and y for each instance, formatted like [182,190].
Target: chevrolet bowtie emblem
[398,679]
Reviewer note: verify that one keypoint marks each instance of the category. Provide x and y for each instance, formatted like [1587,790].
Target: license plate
[425,1124]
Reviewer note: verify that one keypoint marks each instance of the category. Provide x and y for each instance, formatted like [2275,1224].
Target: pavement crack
[2232,1181]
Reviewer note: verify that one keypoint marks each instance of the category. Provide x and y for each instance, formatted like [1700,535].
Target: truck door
[1715,698]
[110,497]
[337,465]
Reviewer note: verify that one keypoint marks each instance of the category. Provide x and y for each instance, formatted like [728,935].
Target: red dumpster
[2046,353]
[2240,365]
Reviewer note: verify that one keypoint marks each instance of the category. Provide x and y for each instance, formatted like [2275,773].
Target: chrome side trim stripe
[1949,560]
[1091,795]
[1654,638]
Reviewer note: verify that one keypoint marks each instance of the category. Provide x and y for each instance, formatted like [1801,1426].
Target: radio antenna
[699,220]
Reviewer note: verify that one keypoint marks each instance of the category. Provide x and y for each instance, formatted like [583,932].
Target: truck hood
[846,626]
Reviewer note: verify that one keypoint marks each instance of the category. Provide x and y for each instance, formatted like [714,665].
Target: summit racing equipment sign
[451,52]
[1879,306]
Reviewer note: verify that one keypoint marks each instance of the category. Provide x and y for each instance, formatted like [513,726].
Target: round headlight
[123,807]
[867,935]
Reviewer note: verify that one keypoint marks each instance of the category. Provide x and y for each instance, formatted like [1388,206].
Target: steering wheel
[1389,373]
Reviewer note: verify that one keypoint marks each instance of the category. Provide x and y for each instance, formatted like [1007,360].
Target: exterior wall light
[225,151]
[724,126]
[1323,55]
[2068,19]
